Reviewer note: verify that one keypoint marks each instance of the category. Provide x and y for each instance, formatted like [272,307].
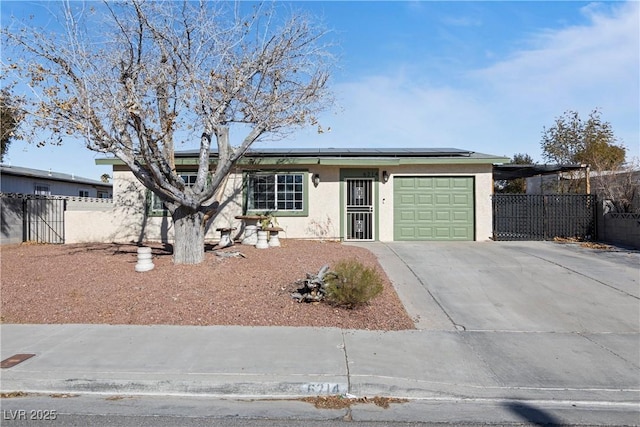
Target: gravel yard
[96,283]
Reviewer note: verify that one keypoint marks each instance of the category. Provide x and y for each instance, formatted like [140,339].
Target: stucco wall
[11,220]
[621,229]
[127,220]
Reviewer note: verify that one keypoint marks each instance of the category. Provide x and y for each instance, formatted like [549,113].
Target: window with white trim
[276,192]
[83,193]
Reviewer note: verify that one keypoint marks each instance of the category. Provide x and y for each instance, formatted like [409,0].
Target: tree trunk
[188,247]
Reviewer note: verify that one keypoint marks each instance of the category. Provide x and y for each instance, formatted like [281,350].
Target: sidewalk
[441,363]
[286,362]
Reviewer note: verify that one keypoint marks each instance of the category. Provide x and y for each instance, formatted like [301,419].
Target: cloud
[578,68]
[502,108]
[574,59]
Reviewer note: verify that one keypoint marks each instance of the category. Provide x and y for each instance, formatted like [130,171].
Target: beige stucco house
[345,194]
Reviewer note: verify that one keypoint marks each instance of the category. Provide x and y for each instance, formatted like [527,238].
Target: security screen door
[359,209]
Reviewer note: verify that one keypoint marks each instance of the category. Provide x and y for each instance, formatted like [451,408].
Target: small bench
[274,241]
[225,236]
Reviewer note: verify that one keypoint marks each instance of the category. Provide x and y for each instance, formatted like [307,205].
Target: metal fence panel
[544,217]
[42,218]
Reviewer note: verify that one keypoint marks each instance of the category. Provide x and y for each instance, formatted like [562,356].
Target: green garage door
[433,208]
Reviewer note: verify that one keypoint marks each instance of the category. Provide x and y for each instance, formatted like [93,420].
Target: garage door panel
[460,199]
[424,199]
[408,199]
[443,216]
[423,184]
[409,184]
[407,215]
[433,208]
[443,199]
[425,216]
[424,233]
[406,233]
[442,183]
[459,232]
[461,216]
[443,232]
[462,183]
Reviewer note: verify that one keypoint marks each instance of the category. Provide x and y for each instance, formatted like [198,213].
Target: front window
[83,193]
[275,192]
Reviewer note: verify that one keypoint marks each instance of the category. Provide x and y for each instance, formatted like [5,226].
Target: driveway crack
[580,274]
[607,349]
[346,361]
[426,288]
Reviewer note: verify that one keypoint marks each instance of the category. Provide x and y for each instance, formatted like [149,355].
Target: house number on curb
[324,388]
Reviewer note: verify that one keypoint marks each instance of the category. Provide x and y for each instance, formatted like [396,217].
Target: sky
[484,76]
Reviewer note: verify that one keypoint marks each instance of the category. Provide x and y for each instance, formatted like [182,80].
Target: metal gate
[543,217]
[33,218]
[359,209]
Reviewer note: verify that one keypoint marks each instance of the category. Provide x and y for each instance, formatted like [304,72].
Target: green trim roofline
[346,157]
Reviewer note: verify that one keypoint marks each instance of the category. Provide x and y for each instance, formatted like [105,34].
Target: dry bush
[353,284]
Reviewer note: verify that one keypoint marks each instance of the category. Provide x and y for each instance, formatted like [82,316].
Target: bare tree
[134,78]
[618,186]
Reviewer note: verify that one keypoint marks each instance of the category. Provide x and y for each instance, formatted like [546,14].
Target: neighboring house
[606,184]
[15,179]
[346,194]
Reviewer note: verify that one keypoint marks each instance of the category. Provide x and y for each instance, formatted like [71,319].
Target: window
[103,194]
[83,193]
[42,189]
[276,192]
[157,207]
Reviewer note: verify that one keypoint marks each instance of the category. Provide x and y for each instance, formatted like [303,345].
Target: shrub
[353,284]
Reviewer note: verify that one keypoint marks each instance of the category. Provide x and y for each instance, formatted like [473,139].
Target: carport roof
[512,171]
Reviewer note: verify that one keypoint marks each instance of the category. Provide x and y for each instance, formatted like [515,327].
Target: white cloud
[502,109]
[578,68]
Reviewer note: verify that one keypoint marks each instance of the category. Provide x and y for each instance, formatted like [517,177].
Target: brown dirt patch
[96,283]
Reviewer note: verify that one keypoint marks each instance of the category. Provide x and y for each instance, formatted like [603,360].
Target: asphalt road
[159,411]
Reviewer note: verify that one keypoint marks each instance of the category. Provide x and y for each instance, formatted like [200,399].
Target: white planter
[274,241]
[262,240]
[250,235]
[145,262]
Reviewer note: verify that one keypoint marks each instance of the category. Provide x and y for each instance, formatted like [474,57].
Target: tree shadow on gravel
[158,249]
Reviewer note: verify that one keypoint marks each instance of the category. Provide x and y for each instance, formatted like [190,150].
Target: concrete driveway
[527,286]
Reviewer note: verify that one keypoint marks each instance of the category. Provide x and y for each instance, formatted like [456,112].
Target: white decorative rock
[145,263]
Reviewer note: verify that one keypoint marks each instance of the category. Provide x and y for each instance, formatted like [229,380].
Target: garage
[433,208]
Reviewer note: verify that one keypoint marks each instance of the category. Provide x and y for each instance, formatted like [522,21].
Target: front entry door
[359,209]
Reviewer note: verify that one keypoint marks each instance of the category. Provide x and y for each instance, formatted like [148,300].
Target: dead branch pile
[313,288]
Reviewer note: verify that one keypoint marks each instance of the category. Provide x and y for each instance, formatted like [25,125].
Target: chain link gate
[543,217]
